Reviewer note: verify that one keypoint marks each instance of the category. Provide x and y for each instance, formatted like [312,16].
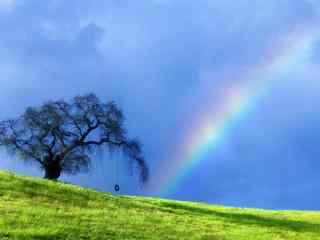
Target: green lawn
[33,208]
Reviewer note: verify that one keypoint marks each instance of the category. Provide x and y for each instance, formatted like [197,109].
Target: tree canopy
[61,136]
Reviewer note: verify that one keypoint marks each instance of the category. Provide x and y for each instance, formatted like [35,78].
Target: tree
[61,136]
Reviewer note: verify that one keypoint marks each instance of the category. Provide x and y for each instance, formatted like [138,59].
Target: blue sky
[150,57]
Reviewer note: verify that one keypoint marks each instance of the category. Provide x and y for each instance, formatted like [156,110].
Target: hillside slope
[33,208]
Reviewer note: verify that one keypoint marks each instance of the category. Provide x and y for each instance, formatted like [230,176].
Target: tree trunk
[52,170]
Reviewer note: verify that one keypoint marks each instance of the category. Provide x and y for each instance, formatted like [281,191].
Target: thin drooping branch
[24,145]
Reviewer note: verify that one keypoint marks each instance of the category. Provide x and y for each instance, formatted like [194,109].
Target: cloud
[6,5]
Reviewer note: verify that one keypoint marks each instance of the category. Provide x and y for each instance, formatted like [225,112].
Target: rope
[117,186]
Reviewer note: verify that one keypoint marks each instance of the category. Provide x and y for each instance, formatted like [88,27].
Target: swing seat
[117,188]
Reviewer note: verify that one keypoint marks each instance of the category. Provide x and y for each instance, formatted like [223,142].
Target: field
[32,208]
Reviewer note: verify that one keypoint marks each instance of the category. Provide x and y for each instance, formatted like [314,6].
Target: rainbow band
[211,131]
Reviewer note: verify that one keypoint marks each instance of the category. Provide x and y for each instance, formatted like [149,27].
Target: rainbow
[211,129]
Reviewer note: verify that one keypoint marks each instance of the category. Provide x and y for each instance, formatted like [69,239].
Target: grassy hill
[33,208]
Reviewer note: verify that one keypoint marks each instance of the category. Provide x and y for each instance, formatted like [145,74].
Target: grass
[32,208]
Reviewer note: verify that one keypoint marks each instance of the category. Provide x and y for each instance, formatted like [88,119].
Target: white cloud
[7,4]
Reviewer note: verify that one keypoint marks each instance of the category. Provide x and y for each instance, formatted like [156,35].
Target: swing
[117,188]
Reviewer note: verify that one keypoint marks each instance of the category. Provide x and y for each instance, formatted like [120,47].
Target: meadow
[32,208]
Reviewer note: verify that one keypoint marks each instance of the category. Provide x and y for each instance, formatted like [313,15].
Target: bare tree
[61,136]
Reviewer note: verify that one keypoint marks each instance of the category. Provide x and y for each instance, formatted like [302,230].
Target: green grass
[32,208]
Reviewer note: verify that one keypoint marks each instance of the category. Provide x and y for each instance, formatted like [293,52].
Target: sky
[247,69]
